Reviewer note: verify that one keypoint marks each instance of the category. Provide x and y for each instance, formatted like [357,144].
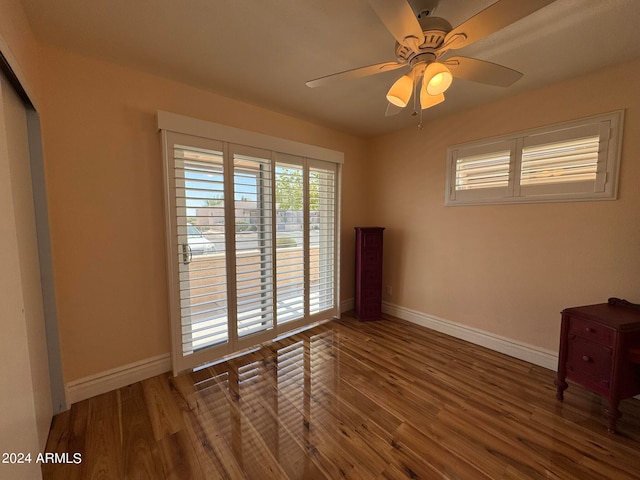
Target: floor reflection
[270,405]
[350,399]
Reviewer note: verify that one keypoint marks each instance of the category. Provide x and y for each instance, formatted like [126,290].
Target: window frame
[609,128]
[229,140]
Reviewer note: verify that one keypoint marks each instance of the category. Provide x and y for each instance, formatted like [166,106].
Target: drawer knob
[589,330]
[586,358]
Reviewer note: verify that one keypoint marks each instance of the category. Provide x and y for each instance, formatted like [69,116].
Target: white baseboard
[104,382]
[346,305]
[523,351]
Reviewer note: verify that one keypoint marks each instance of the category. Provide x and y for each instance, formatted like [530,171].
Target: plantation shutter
[489,170]
[322,214]
[239,240]
[253,197]
[571,161]
[290,251]
[481,171]
[577,160]
[198,179]
[564,161]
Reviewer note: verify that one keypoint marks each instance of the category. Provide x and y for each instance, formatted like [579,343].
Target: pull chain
[415,101]
[415,92]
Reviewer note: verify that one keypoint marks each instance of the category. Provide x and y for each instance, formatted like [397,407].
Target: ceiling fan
[422,42]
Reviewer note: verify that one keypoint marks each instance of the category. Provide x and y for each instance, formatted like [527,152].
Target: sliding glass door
[252,202]
[198,260]
[252,243]
[322,245]
[290,254]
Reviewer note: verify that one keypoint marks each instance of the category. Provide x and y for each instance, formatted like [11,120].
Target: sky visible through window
[245,187]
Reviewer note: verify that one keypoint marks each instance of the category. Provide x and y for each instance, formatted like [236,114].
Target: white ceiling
[263,52]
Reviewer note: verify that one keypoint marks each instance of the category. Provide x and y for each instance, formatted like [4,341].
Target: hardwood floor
[376,400]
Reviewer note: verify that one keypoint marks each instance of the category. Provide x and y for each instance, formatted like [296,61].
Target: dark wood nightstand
[599,350]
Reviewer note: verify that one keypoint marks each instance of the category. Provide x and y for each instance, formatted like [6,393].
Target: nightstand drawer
[372,241]
[591,331]
[589,360]
[372,258]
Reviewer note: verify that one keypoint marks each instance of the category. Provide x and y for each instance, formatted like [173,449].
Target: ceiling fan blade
[398,17]
[482,71]
[392,110]
[356,73]
[491,19]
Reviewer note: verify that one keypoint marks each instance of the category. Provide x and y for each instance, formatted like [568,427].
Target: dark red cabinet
[368,294]
[598,348]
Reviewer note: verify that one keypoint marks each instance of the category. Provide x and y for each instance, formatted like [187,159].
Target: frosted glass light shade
[437,78]
[400,92]
[427,100]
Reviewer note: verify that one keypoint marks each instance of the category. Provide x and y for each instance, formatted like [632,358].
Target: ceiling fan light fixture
[437,78]
[400,92]
[427,101]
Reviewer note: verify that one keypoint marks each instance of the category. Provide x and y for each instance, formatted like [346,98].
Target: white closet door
[25,394]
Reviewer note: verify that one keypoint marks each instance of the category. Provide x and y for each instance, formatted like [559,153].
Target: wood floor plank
[141,459]
[257,458]
[446,462]
[164,414]
[104,454]
[66,437]
[516,441]
[357,400]
[336,413]
[320,436]
[211,465]
[213,452]
[293,442]
[178,458]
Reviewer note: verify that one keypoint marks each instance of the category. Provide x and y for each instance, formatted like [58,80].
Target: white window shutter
[572,161]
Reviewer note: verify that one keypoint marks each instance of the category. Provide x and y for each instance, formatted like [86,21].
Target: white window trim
[605,186]
[192,126]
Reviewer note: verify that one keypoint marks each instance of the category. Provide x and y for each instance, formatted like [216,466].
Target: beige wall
[103,165]
[19,46]
[508,269]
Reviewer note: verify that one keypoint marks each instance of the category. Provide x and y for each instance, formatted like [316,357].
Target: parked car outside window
[198,243]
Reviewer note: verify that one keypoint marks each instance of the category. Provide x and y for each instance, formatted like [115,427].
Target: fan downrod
[424,8]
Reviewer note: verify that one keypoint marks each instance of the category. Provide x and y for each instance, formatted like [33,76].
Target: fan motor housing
[435,30]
